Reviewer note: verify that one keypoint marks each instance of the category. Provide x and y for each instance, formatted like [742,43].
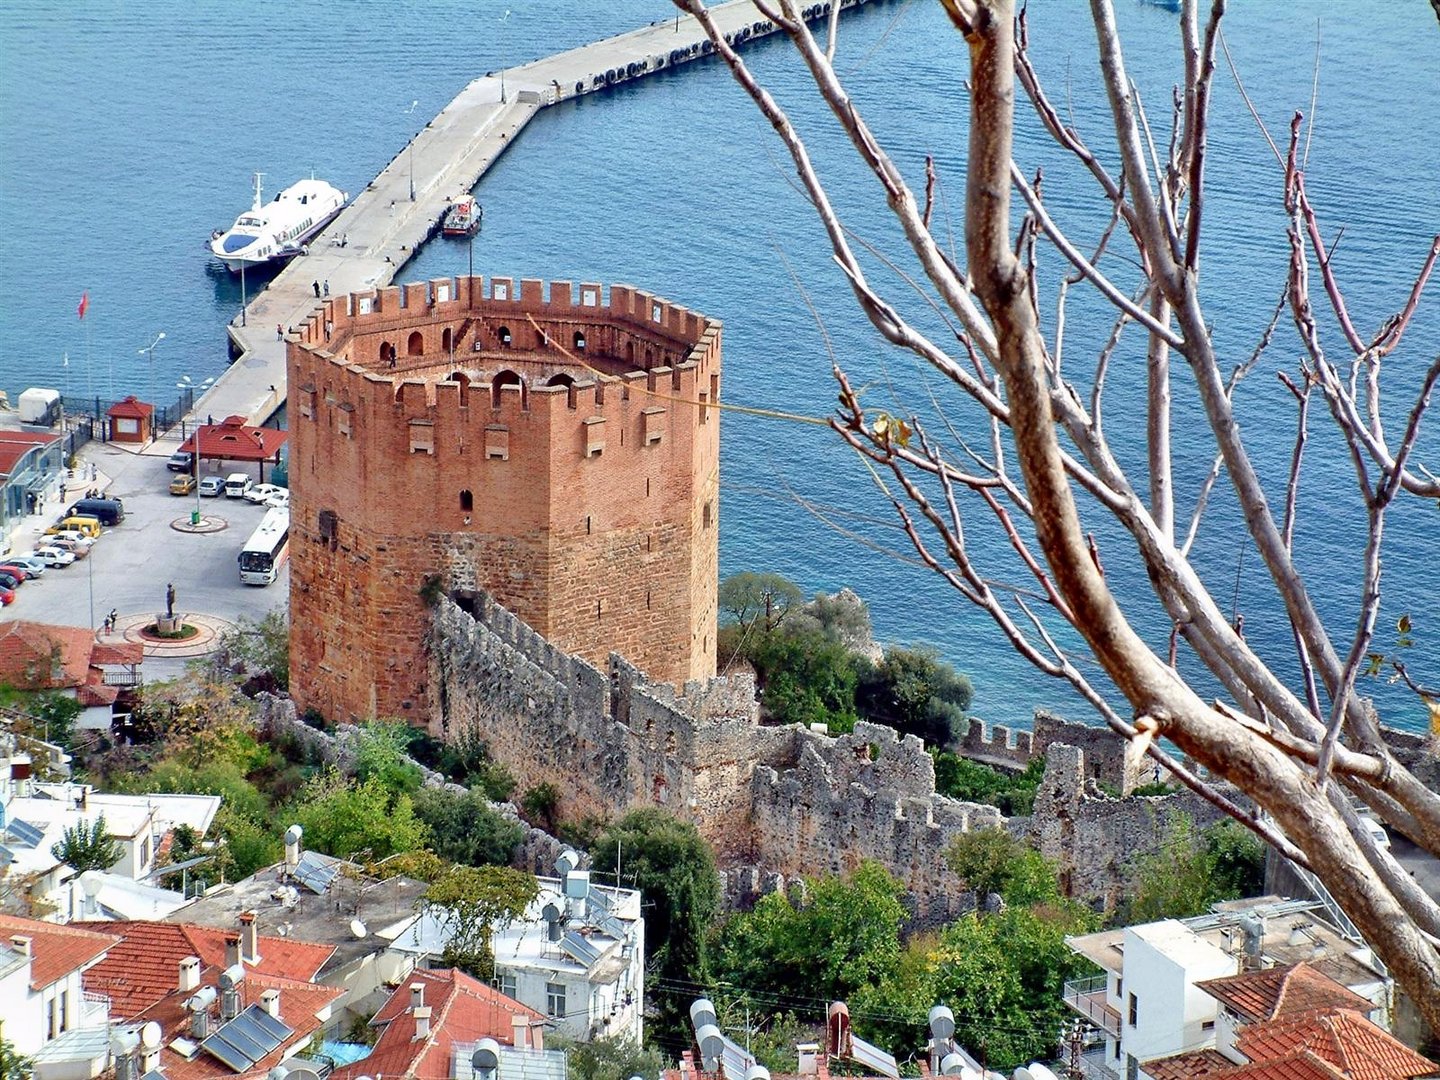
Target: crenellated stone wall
[776,803]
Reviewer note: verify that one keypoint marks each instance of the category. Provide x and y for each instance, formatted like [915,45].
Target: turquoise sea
[128,131]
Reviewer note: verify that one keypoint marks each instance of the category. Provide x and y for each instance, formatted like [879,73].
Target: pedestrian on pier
[316,286]
[279,332]
[327,286]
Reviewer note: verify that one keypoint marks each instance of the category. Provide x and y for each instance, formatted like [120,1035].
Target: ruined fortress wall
[589,506]
[775,802]
[1012,748]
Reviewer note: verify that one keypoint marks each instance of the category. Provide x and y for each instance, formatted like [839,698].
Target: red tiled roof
[300,1007]
[55,950]
[145,966]
[29,652]
[117,652]
[1199,1065]
[462,1010]
[1343,1038]
[132,408]
[1299,1065]
[1278,991]
[97,693]
[16,444]
[236,440]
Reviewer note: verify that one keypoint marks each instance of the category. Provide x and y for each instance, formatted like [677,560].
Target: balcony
[1087,997]
[1095,1066]
[94,1010]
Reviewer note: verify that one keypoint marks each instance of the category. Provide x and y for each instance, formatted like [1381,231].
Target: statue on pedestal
[170,600]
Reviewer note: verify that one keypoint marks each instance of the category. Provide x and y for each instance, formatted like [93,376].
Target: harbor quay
[380,230]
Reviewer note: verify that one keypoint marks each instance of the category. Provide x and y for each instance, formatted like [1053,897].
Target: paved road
[130,565]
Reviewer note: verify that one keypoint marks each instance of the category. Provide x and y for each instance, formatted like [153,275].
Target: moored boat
[279,228]
[462,217]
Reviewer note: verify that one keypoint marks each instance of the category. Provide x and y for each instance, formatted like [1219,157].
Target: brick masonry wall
[512,447]
[775,802]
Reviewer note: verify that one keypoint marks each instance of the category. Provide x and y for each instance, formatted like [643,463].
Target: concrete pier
[383,226]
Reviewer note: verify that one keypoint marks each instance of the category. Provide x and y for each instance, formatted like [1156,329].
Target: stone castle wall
[558,450]
[1012,748]
[774,802]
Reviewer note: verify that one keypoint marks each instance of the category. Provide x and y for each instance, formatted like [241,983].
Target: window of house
[505,984]
[144,853]
[1134,1011]
[554,1000]
[1119,987]
[1132,1067]
[1208,1025]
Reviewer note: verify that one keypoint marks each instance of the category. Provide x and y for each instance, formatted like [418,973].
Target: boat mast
[258,177]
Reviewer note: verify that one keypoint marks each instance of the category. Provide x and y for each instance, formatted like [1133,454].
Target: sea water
[129,131]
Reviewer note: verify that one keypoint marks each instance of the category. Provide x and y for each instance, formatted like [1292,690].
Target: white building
[1147,1004]
[577,956]
[41,996]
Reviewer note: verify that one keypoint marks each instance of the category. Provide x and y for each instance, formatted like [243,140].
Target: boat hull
[265,242]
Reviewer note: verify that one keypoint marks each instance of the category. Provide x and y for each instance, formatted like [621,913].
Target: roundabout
[199,634]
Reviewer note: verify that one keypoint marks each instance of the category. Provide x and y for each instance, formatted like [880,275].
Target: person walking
[327,286]
[316,286]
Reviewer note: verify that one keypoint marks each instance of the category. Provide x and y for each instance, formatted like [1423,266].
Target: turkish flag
[84,304]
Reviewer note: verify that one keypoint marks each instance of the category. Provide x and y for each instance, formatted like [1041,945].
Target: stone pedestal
[167,625]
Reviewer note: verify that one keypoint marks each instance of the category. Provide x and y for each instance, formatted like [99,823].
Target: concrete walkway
[381,229]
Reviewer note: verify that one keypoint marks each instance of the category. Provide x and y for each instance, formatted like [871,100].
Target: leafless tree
[1303,753]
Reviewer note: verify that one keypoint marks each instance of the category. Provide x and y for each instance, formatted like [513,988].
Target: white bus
[267,548]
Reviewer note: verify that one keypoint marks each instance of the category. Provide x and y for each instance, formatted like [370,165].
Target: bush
[464,829]
[915,692]
[971,781]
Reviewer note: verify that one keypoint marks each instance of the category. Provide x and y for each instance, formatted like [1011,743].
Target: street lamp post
[186,384]
[150,350]
[410,151]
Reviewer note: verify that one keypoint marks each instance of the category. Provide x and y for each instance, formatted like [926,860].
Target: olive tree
[1288,756]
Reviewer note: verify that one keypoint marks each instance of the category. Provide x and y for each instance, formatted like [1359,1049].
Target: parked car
[105,511]
[21,569]
[280,500]
[75,548]
[182,485]
[210,486]
[89,526]
[7,596]
[27,562]
[75,536]
[237,484]
[261,492]
[10,580]
[54,556]
[180,461]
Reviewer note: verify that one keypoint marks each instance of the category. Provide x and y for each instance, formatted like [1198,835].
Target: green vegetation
[88,847]
[47,715]
[808,670]
[346,817]
[994,861]
[473,903]
[258,653]
[608,1059]
[1194,869]
[1013,793]
[13,1066]
[463,828]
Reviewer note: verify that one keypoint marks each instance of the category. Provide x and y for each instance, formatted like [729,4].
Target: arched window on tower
[467,501]
[415,346]
[503,335]
[579,341]
[503,379]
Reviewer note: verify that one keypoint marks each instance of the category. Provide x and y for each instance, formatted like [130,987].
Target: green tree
[88,847]
[843,935]
[994,861]
[805,678]
[607,1059]
[256,651]
[916,693]
[1013,794]
[472,903]
[382,753]
[13,1065]
[345,817]
[758,601]
[1237,860]
[464,829]
[540,804]
[674,869]
[1193,869]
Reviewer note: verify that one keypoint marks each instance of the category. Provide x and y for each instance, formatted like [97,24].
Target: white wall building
[1147,1004]
[578,955]
[41,996]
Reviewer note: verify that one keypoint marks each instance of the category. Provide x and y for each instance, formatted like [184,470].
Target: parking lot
[129,567]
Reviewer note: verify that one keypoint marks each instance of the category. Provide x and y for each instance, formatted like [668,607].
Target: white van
[236,485]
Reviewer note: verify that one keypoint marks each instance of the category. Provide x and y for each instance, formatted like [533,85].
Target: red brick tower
[557,452]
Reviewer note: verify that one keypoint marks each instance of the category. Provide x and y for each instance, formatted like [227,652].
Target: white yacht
[279,228]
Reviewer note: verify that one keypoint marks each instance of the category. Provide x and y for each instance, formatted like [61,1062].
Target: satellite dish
[293,834]
[91,883]
[712,1045]
[952,1065]
[486,1057]
[702,1012]
[1041,1072]
[299,1072]
[358,928]
[150,1035]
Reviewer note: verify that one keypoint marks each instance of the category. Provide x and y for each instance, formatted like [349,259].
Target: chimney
[21,944]
[417,995]
[249,938]
[519,1032]
[270,1002]
[537,1037]
[422,1022]
[232,950]
[189,974]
